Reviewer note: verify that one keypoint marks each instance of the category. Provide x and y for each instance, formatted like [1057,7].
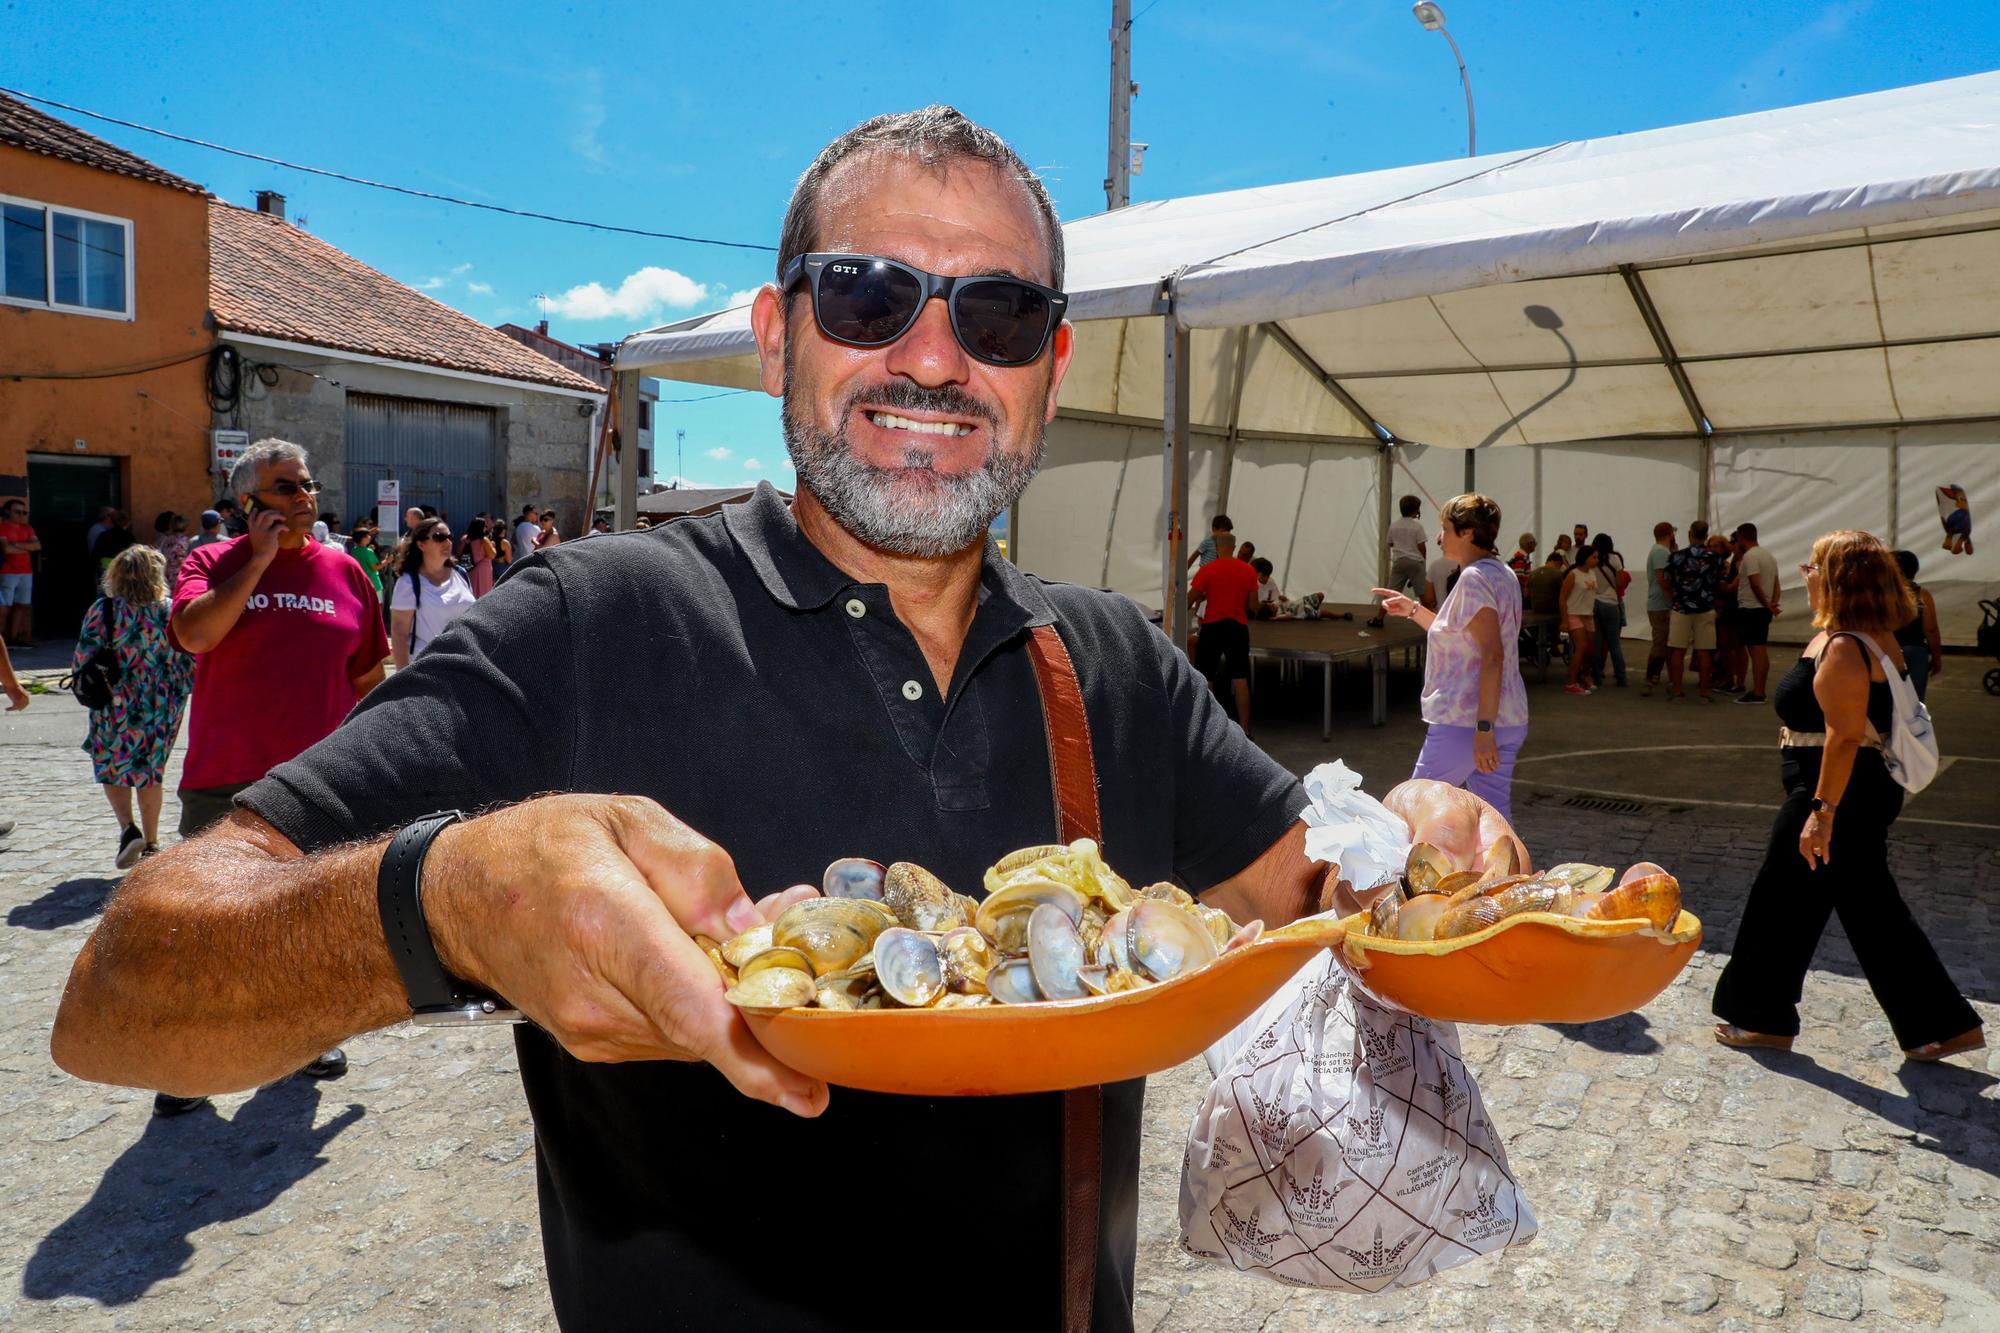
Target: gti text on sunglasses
[869,301]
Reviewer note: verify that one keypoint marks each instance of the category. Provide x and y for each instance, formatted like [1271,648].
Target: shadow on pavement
[67,903]
[183,1174]
[1945,1089]
[1628,1034]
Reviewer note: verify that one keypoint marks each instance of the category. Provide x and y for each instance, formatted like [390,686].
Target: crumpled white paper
[1351,829]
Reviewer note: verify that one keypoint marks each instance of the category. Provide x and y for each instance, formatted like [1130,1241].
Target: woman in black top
[1829,846]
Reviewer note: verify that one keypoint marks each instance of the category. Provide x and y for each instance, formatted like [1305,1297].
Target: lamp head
[1429,15]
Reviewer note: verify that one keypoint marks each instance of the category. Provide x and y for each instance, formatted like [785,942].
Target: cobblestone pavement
[1678,1184]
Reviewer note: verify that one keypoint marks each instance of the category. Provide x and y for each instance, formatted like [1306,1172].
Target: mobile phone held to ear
[257,506]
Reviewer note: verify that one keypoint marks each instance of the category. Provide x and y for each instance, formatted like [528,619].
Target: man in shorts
[1225,589]
[1756,607]
[1659,601]
[1694,574]
[18,544]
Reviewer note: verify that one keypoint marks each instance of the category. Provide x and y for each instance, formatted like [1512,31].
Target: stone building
[594,363]
[379,381]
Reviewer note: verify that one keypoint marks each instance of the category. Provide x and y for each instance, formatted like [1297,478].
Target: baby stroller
[1989,641]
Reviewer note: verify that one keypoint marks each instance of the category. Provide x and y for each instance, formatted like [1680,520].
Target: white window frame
[131,310]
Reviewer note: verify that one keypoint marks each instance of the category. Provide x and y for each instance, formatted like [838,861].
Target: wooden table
[1331,641]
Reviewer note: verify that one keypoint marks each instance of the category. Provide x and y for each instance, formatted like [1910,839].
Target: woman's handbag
[93,682]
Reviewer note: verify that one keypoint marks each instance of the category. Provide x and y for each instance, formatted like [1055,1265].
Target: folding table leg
[1326,701]
[1379,661]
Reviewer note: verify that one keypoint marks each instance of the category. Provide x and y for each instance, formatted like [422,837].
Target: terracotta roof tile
[24,127]
[268,278]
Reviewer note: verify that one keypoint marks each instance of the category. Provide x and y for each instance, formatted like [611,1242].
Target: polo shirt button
[912,691]
[856,607]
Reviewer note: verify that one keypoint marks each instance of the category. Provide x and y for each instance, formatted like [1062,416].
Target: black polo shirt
[725,668]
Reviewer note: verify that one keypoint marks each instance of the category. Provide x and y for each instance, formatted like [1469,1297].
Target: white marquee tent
[1791,318]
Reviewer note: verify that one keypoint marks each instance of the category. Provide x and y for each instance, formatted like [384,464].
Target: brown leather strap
[1073,777]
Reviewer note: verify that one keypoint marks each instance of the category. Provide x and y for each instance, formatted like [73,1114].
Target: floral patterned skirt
[129,742]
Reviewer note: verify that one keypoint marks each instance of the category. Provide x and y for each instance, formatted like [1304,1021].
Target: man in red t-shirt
[1225,589]
[286,638]
[18,544]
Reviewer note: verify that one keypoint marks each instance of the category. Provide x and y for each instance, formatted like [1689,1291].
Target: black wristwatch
[1484,725]
[1818,806]
[437,998]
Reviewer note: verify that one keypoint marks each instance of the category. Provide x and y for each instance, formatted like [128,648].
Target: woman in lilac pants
[1474,701]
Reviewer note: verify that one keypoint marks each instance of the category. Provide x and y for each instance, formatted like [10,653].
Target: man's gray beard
[946,516]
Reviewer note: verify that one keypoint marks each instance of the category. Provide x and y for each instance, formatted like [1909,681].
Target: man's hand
[579,910]
[266,527]
[1454,821]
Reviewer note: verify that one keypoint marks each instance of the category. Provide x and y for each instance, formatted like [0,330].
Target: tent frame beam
[1177,347]
[1340,395]
[1643,299]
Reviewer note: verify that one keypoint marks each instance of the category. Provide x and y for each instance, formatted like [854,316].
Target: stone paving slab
[1678,1184]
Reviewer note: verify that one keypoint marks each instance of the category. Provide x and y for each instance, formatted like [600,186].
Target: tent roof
[1832,264]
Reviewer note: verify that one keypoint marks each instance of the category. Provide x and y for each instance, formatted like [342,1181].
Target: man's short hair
[1410,506]
[934,138]
[1747,531]
[1225,541]
[1662,529]
[1698,531]
[528,510]
[1263,567]
[1555,558]
[243,472]
[1221,523]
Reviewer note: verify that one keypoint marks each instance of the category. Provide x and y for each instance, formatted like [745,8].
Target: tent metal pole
[1705,486]
[1385,478]
[1174,480]
[1895,488]
[1235,413]
[628,453]
[1276,332]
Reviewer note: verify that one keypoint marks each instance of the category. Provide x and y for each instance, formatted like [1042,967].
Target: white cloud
[720,453]
[461,269]
[753,465]
[738,298]
[641,295]
[479,288]
[431,284]
[590,115]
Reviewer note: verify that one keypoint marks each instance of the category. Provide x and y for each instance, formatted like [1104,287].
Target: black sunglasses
[287,490]
[868,301]
[438,535]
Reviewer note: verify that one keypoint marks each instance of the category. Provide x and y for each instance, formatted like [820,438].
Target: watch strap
[399,898]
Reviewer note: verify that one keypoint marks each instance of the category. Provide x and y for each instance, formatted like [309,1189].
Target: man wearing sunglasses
[725,703]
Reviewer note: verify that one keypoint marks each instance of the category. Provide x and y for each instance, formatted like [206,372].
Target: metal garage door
[442,453]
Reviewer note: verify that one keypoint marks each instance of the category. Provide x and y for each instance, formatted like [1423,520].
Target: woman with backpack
[1843,746]
[429,591]
[131,736]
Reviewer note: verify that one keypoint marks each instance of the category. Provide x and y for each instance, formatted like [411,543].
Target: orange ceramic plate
[1533,968]
[1040,1047]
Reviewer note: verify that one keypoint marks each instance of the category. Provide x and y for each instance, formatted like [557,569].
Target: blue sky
[697,118]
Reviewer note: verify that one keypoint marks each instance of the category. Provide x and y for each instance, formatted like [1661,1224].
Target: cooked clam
[772,988]
[853,877]
[777,956]
[1164,942]
[746,946]
[1013,982]
[920,900]
[832,932]
[1003,917]
[967,959]
[1425,866]
[1580,877]
[908,968]
[1055,953]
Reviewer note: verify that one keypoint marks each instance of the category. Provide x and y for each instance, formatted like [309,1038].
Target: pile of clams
[1056,923]
[1434,901]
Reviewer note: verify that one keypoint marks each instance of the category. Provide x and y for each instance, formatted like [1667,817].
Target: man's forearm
[1280,886]
[229,961]
[206,621]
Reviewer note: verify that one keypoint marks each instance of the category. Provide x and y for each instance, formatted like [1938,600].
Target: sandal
[1744,1039]
[1933,1051]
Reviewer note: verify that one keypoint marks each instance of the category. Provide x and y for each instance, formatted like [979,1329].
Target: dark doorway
[64,495]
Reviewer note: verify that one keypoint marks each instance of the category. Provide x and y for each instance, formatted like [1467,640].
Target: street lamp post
[1432,18]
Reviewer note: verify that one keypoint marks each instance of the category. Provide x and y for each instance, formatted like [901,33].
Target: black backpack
[93,682]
